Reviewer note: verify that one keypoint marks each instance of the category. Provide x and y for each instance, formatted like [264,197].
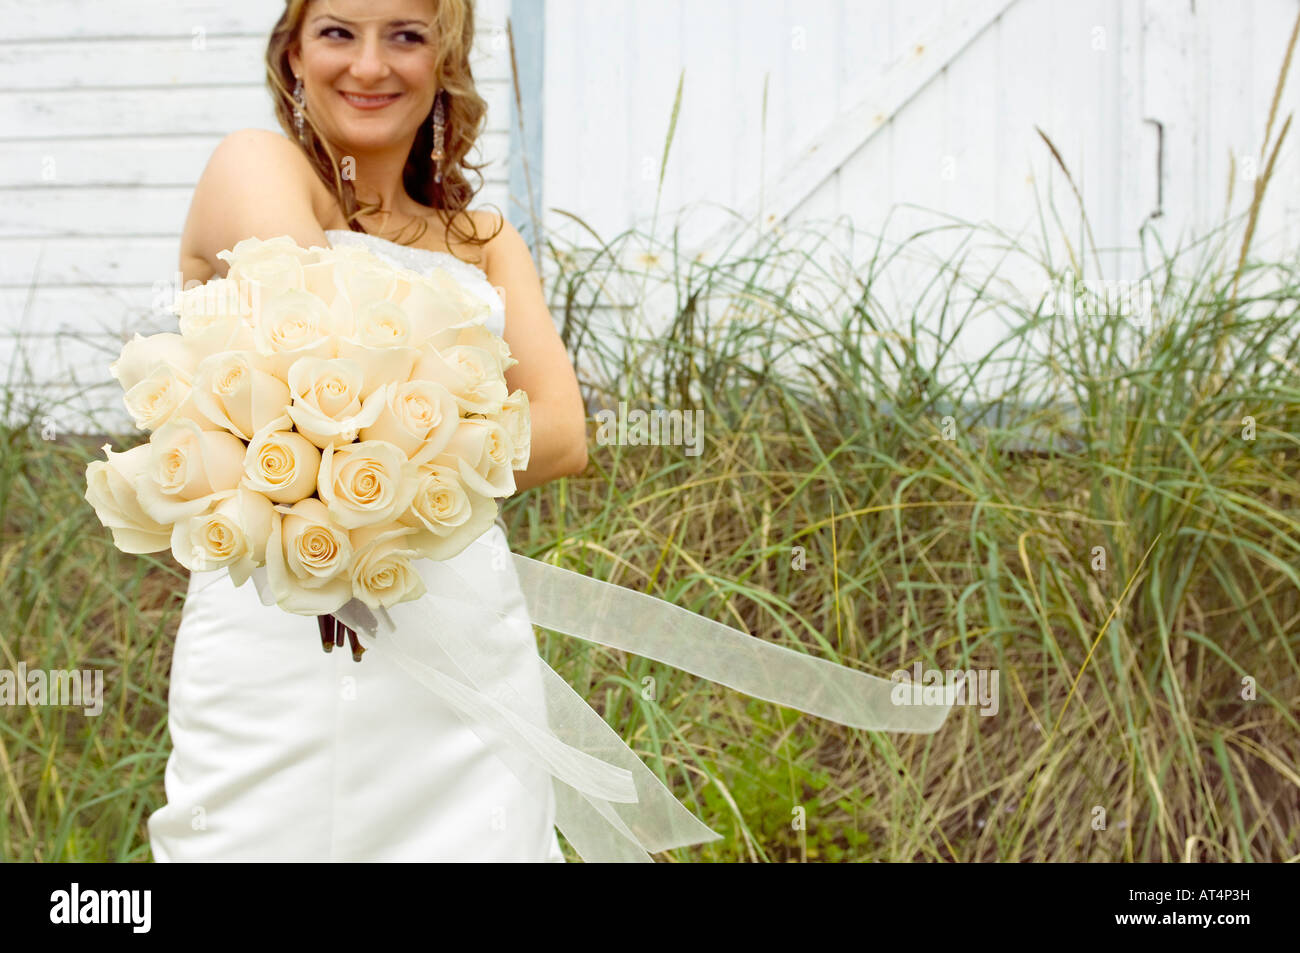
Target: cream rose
[275,265]
[332,278]
[309,564]
[479,337]
[307,570]
[437,302]
[447,517]
[514,417]
[381,324]
[211,334]
[164,394]
[471,374]
[327,406]
[293,325]
[318,278]
[281,464]
[380,343]
[232,536]
[362,276]
[366,483]
[234,390]
[417,416]
[141,355]
[110,489]
[382,572]
[225,333]
[481,451]
[188,469]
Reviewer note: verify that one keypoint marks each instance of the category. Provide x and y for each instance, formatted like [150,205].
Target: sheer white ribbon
[609,805]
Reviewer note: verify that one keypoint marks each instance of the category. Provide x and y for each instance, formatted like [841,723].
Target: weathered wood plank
[136,160]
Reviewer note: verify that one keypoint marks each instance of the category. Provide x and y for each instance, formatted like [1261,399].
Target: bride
[282,751]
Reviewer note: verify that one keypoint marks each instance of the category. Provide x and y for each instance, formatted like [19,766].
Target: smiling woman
[279,750]
[357,79]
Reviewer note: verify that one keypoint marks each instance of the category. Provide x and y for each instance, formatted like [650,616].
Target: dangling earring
[299,104]
[437,155]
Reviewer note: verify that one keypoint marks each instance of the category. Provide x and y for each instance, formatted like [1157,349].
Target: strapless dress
[281,751]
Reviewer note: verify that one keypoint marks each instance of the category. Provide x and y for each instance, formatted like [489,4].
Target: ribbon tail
[610,615]
[658,821]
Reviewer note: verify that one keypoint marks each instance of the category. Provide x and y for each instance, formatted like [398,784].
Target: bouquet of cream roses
[321,413]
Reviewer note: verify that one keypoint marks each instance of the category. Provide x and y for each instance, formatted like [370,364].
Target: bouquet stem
[332,632]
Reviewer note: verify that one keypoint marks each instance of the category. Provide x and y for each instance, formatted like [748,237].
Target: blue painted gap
[528,21]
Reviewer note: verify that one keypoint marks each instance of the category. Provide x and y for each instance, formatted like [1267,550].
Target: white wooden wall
[875,105]
[1088,72]
[108,113]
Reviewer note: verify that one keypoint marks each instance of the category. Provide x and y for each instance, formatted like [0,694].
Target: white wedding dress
[281,751]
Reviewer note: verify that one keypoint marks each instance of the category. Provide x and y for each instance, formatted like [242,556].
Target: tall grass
[78,787]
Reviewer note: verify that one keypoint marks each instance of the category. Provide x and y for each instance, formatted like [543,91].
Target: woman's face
[367,70]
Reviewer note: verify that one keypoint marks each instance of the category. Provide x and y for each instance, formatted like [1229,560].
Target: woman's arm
[257,184]
[559,425]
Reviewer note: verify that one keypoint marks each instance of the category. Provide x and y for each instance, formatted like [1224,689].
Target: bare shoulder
[265,142]
[249,156]
[504,250]
[486,219]
[256,184]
